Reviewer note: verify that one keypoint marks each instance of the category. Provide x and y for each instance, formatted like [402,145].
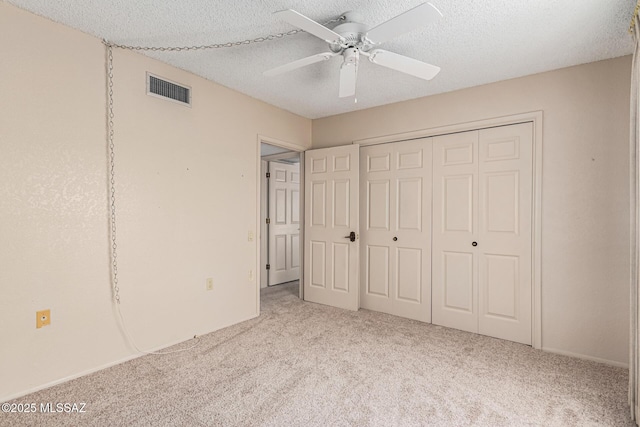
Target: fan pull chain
[214,45]
[112,164]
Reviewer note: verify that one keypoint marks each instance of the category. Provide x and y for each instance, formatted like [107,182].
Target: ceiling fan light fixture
[351,55]
[348,77]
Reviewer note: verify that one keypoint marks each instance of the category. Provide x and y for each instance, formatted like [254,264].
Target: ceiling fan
[352,39]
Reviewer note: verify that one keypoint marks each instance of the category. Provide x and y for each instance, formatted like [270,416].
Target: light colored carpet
[306,364]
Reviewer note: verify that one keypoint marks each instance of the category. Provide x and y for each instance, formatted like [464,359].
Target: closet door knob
[395,239]
[474,244]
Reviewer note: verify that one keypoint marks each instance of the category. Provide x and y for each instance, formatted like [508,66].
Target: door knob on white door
[351,236]
[474,244]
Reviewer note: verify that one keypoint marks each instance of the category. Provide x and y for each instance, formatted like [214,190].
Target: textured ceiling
[476,42]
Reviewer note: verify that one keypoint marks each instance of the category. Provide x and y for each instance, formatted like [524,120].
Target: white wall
[585,191]
[186,199]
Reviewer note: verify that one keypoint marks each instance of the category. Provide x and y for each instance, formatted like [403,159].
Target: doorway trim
[535,117]
[258,268]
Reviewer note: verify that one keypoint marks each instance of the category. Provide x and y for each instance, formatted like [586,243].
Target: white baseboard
[107,365]
[68,378]
[585,357]
[253,316]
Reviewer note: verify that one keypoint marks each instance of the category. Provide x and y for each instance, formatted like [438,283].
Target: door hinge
[268,266]
[268,220]
[268,174]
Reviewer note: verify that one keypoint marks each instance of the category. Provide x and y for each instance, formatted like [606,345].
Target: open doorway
[280,217]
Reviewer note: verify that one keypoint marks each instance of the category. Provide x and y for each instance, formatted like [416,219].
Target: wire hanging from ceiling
[114,280]
[266,38]
[112,212]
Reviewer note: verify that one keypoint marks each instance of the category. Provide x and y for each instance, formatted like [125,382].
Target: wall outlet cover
[209,284]
[43,318]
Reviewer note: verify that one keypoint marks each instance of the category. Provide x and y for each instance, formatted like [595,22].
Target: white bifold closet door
[395,209]
[284,227]
[482,228]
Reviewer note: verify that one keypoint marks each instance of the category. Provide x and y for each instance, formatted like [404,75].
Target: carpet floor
[303,364]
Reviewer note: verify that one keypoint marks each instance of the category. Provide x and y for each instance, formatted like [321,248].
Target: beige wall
[585,190]
[186,199]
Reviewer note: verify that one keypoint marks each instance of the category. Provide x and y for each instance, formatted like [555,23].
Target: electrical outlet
[251,274]
[251,236]
[209,284]
[43,318]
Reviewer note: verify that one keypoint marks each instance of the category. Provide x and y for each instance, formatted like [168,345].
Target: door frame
[274,163]
[300,150]
[535,117]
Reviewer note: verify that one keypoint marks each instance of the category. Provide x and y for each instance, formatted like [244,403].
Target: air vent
[163,88]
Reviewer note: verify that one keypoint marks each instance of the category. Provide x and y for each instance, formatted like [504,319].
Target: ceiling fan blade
[403,64]
[348,76]
[424,14]
[300,63]
[310,26]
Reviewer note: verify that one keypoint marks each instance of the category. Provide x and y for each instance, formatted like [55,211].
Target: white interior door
[482,231]
[331,214]
[284,222]
[264,214]
[395,188]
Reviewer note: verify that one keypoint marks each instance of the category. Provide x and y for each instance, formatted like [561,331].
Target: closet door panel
[375,236]
[396,212]
[455,224]
[504,235]
[482,231]
[412,229]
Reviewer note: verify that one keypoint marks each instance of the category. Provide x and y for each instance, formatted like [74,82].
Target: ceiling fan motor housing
[353,34]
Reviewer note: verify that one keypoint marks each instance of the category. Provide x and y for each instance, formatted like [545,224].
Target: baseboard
[68,378]
[227,325]
[109,364]
[585,357]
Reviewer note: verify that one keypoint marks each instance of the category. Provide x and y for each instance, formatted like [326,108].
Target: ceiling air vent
[163,88]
